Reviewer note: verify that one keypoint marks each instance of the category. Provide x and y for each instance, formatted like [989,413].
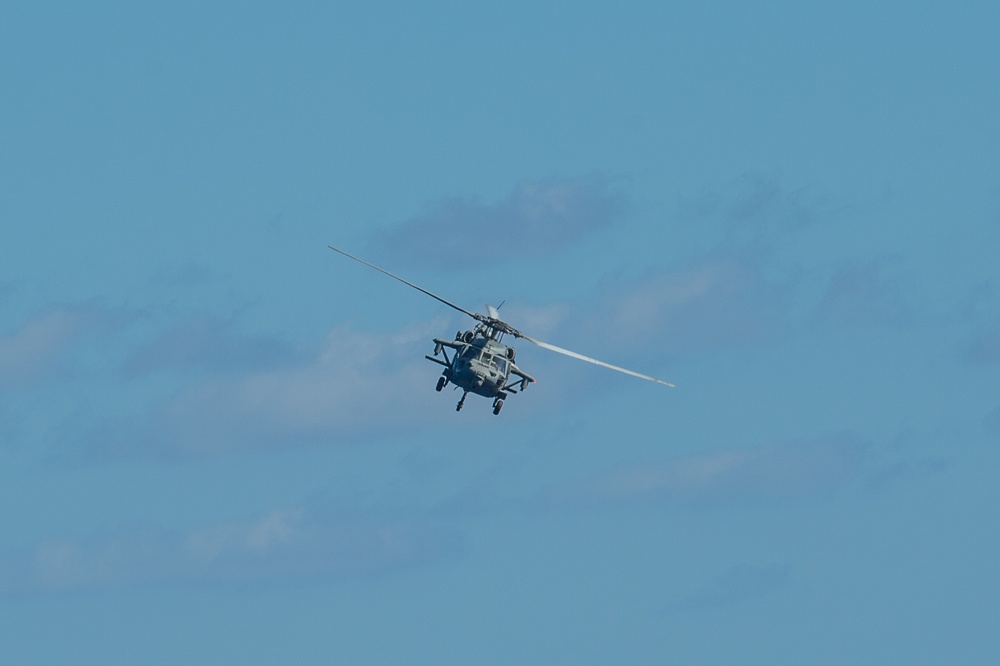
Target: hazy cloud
[790,470]
[860,292]
[210,344]
[737,293]
[739,584]
[721,301]
[284,544]
[41,342]
[537,218]
[356,381]
[888,474]
[756,206]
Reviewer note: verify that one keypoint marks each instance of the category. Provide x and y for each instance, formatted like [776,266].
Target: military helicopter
[480,362]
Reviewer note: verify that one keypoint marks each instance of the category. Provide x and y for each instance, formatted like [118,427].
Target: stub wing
[514,370]
[525,377]
[454,344]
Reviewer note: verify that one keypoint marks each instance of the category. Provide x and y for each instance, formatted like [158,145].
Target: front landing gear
[461,402]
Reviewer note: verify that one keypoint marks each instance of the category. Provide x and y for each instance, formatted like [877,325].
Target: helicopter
[480,362]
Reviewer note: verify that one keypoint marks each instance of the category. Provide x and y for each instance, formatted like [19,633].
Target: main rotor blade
[418,288]
[573,354]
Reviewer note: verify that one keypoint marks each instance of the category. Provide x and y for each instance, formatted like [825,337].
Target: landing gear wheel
[442,382]
[497,406]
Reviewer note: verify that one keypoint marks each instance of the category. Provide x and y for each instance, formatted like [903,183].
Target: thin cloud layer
[282,545]
[536,218]
[747,289]
[860,293]
[355,382]
[785,471]
[41,342]
[207,344]
[756,208]
[721,301]
[737,585]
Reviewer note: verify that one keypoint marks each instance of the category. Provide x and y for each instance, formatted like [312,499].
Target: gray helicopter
[480,362]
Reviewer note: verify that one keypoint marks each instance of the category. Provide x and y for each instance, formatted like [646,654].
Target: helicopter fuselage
[481,364]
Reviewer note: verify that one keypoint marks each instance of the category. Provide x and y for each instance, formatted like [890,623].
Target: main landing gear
[497,402]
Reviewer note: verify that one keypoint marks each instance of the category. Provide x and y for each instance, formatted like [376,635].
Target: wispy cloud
[747,288]
[355,382]
[736,293]
[536,218]
[282,545]
[757,207]
[739,584]
[893,472]
[207,343]
[861,293]
[783,471]
[720,301]
[39,343]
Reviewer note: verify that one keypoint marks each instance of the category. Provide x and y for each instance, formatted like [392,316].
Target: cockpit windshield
[495,361]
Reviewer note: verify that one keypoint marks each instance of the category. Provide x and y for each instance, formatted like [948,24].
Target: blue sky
[219,441]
